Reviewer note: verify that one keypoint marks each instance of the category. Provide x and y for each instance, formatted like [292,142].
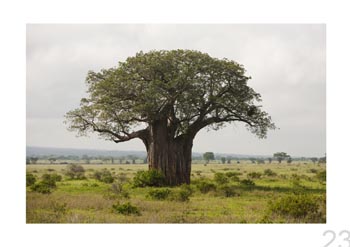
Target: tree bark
[171,156]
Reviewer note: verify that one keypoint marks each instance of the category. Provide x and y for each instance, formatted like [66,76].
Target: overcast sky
[287,64]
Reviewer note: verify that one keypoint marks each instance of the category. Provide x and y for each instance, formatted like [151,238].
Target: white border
[14,16]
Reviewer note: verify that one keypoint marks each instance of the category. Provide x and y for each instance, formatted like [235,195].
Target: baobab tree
[165,98]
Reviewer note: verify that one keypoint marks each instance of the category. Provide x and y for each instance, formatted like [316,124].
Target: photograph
[175,123]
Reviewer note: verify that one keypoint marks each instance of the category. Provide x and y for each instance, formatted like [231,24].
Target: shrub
[205,186]
[50,179]
[253,175]
[182,194]
[149,178]
[296,206]
[41,187]
[55,177]
[247,182]
[104,176]
[322,176]
[233,174]
[313,170]
[159,194]
[75,171]
[119,191]
[220,178]
[30,179]
[269,172]
[227,191]
[126,209]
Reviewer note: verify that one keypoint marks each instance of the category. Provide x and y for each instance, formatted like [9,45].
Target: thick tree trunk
[171,156]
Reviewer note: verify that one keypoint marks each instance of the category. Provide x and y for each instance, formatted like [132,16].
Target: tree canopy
[190,89]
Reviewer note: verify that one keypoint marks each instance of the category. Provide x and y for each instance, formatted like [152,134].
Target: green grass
[91,201]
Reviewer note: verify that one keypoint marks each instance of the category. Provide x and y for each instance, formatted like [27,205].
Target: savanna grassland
[219,193]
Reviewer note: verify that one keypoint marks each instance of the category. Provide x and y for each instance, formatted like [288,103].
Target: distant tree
[223,160]
[75,171]
[323,159]
[238,162]
[270,160]
[253,160]
[27,160]
[208,156]
[33,160]
[314,159]
[229,160]
[52,160]
[121,159]
[133,161]
[289,160]
[86,158]
[112,160]
[260,161]
[280,156]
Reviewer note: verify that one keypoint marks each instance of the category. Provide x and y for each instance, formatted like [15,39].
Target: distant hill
[47,151]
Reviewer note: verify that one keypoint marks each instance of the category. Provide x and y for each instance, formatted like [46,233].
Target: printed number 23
[344,232]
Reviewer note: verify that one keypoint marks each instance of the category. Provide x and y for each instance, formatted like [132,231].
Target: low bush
[298,206]
[205,186]
[30,179]
[254,175]
[75,171]
[247,182]
[269,173]
[159,194]
[220,178]
[321,176]
[233,174]
[126,209]
[41,187]
[182,194]
[149,178]
[313,170]
[104,176]
[118,190]
[226,191]
[52,177]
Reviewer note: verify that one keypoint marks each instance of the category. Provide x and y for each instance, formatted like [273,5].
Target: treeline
[208,157]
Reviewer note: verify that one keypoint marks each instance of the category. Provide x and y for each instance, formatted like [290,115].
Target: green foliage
[322,176]
[227,191]
[159,194]
[205,186]
[220,178]
[269,173]
[126,209]
[30,179]
[281,156]
[247,182]
[254,175]
[47,183]
[207,156]
[149,86]
[104,176]
[148,178]
[75,171]
[182,194]
[296,206]
[233,175]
